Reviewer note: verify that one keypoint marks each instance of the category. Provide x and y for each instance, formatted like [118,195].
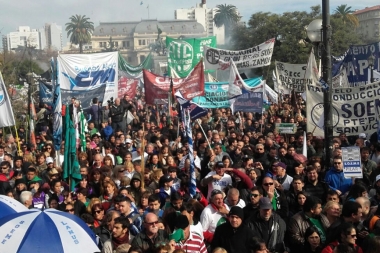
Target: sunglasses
[69,210]
[98,211]
[337,163]
[121,171]
[152,223]
[4,168]
[268,184]
[48,148]
[254,195]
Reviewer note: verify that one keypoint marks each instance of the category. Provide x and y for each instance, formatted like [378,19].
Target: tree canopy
[345,13]
[79,29]
[227,16]
[289,29]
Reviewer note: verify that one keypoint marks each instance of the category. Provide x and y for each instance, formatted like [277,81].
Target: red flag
[157,87]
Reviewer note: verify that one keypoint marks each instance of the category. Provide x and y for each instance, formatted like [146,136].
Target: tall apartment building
[53,35]
[48,37]
[23,37]
[205,17]
[369,23]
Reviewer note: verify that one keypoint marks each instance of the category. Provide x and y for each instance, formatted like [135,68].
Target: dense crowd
[255,190]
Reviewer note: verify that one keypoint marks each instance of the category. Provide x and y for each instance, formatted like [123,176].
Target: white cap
[49,160]
[377,178]
[362,136]
[128,141]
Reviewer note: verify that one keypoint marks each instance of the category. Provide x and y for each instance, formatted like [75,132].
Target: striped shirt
[194,244]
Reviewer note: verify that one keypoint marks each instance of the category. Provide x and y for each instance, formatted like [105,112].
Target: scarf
[119,241]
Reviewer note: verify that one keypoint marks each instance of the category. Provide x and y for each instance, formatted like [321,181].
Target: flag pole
[143,159]
[203,131]
[18,141]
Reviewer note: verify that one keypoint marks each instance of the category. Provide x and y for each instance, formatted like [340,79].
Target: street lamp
[371,64]
[315,29]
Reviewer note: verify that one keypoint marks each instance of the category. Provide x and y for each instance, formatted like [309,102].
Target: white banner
[271,94]
[291,76]
[84,72]
[254,57]
[341,80]
[353,109]
[7,117]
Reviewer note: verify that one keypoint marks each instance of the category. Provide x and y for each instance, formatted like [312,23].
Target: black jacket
[116,113]
[232,240]
[272,232]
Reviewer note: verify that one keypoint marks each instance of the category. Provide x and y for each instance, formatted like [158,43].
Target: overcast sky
[35,14]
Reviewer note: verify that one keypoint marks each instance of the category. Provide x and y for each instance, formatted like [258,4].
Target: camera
[110,102]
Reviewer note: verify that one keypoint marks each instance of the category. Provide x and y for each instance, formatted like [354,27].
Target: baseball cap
[128,141]
[362,136]
[265,203]
[49,160]
[377,178]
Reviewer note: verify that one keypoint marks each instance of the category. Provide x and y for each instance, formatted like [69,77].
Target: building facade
[53,35]
[134,40]
[23,37]
[205,17]
[369,23]
[48,37]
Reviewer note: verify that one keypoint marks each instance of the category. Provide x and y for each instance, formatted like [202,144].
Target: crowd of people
[255,190]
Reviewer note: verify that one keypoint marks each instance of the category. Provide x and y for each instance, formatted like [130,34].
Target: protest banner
[85,97]
[7,116]
[254,57]
[286,128]
[351,159]
[355,62]
[184,54]
[353,109]
[157,87]
[291,77]
[270,94]
[80,73]
[46,93]
[127,87]
[128,71]
[248,102]
[216,94]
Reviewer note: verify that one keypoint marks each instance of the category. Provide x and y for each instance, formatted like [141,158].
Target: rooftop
[367,9]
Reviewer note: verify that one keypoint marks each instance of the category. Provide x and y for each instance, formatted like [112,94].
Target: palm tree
[347,15]
[80,30]
[226,15]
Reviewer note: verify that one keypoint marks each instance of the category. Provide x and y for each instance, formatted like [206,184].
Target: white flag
[235,82]
[130,117]
[7,117]
[304,148]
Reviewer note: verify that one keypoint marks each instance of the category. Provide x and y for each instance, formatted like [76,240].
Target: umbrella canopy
[10,206]
[45,231]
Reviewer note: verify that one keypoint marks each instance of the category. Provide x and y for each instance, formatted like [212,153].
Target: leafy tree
[79,29]
[227,16]
[289,29]
[346,14]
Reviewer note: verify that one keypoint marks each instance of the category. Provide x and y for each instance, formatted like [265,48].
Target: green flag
[82,134]
[184,54]
[71,169]
[134,71]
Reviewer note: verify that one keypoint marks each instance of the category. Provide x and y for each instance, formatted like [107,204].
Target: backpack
[372,222]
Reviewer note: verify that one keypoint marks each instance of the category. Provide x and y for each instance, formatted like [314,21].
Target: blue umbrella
[45,232]
[10,206]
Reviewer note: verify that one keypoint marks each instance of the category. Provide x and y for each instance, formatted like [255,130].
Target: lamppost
[314,32]
[371,64]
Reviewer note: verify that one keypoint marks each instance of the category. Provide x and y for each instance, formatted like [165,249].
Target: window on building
[129,59]
[100,44]
[142,58]
[141,42]
[116,44]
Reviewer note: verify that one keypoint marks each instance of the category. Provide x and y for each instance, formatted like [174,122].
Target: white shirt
[287,182]
[218,184]
[211,218]
[241,203]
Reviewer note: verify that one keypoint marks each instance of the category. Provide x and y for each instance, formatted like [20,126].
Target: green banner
[286,128]
[184,54]
[134,71]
